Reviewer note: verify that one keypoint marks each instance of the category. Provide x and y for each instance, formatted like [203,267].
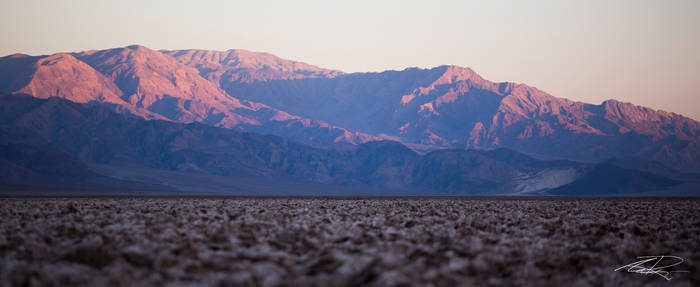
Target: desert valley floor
[344,242]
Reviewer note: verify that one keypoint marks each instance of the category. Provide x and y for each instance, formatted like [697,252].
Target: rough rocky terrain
[344,242]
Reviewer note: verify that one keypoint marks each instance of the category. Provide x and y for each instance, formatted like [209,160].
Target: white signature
[653,265]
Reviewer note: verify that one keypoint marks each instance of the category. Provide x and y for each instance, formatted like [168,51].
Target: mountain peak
[461,78]
[18,56]
[58,59]
[243,66]
[454,74]
[136,52]
[154,80]
[64,76]
[138,48]
[633,113]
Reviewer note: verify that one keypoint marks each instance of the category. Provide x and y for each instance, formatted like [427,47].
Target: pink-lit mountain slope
[150,84]
[63,76]
[451,106]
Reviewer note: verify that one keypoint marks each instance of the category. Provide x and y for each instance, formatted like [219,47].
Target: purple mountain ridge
[426,109]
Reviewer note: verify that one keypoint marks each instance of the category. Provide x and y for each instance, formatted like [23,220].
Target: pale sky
[639,51]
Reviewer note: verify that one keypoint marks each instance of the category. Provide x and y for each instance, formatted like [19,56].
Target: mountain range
[394,129]
[55,141]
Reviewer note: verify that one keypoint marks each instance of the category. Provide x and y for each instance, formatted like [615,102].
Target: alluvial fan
[345,242]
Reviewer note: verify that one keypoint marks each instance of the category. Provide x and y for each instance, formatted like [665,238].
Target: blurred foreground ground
[344,242]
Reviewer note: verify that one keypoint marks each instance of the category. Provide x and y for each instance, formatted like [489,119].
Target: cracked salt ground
[333,242]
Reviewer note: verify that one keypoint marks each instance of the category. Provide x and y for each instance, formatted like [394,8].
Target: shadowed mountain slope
[25,163]
[96,135]
[23,166]
[606,179]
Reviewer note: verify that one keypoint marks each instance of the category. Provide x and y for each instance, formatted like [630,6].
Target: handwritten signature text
[654,265]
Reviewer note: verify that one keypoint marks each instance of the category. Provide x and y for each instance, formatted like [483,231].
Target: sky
[640,51]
